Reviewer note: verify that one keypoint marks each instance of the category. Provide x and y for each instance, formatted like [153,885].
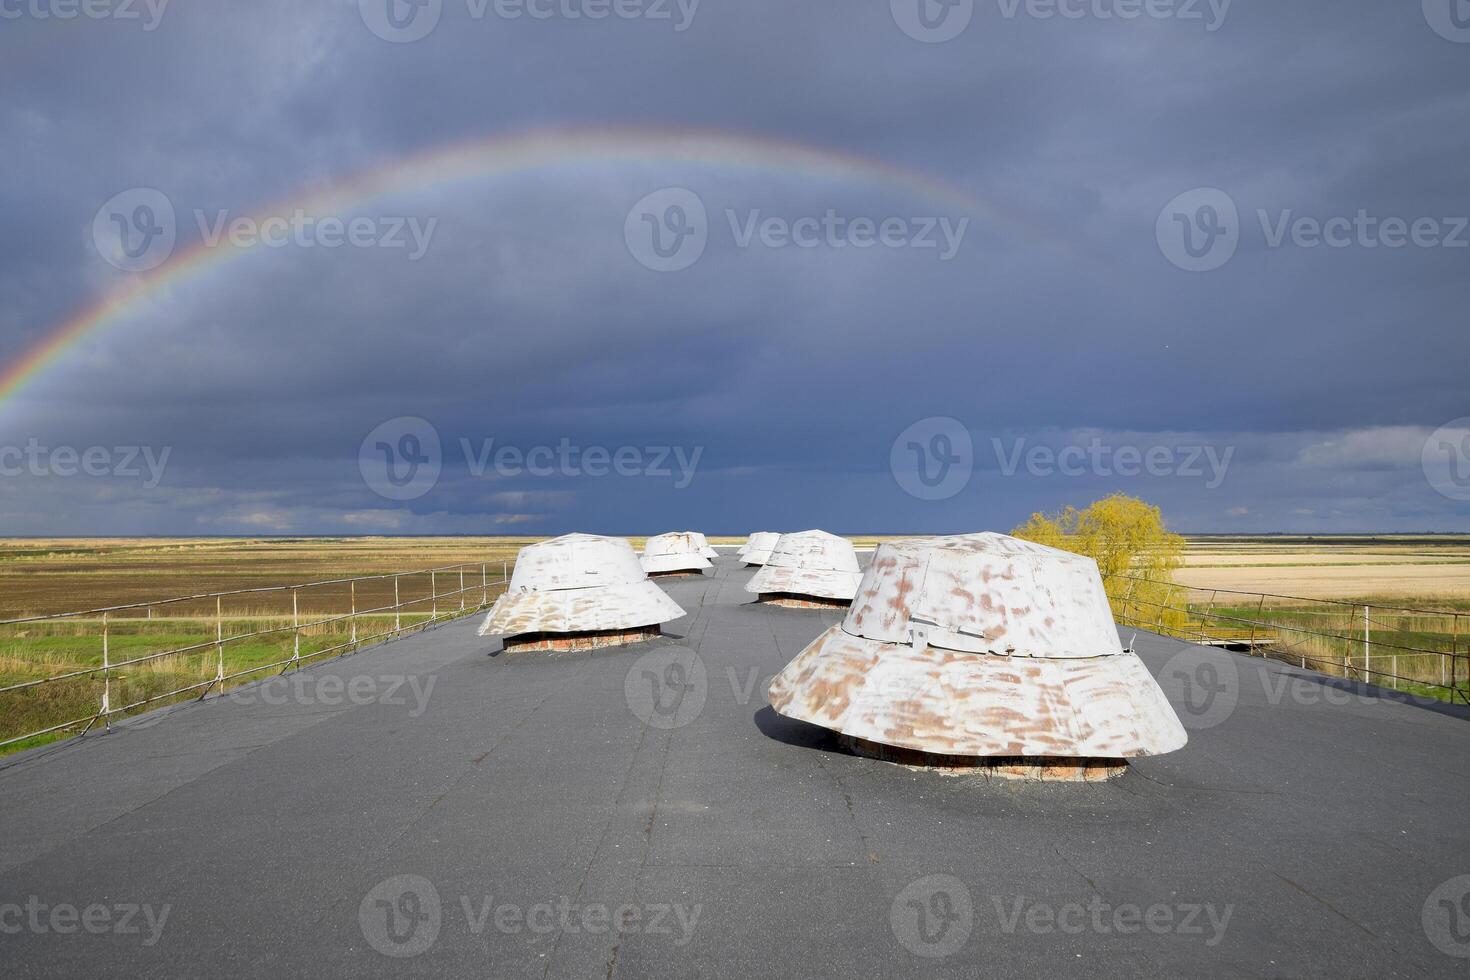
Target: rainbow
[496,156]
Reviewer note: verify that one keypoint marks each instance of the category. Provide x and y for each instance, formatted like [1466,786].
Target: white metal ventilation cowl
[758,547]
[812,563]
[980,645]
[578,583]
[676,551]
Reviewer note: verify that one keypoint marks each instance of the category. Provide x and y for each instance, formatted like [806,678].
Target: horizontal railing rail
[345,622]
[1403,647]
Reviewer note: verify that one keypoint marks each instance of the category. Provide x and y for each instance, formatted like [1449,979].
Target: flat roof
[432,805]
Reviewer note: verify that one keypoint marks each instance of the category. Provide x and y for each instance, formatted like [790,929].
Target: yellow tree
[1134,549]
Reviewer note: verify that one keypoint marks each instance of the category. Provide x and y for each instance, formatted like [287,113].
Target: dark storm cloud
[791,371]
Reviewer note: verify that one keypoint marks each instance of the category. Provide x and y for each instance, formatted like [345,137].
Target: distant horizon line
[719,534]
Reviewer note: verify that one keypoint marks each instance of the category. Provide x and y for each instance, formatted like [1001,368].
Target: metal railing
[422,608]
[1406,648]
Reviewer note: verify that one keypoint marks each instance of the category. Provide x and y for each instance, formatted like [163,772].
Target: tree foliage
[1134,549]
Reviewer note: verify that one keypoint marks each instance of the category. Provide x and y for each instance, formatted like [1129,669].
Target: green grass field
[259,638]
[262,646]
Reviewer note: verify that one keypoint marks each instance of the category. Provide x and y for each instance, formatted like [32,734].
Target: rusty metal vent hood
[980,645]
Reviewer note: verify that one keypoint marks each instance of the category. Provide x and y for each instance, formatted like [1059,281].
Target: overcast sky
[859,265]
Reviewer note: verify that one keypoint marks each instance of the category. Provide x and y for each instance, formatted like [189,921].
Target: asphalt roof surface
[434,807]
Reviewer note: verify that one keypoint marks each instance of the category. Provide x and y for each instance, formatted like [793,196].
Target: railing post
[219,645]
[352,619]
[484,586]
[106,679]
[1163,607]
[1454,651]
[1128,617]
[1454,648]
[295,630]
[1260,608]
[1209,614]
[397,611]
[433,596]
[1367,647]
[461,588]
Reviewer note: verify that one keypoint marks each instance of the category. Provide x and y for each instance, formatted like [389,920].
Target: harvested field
[1432,571]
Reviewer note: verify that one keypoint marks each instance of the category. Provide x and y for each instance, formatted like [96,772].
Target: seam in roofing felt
[846,799]
[613,812]
[658,788]
[697,622]
[1057,849]
[1333,909]
[866,865]
[612,815]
